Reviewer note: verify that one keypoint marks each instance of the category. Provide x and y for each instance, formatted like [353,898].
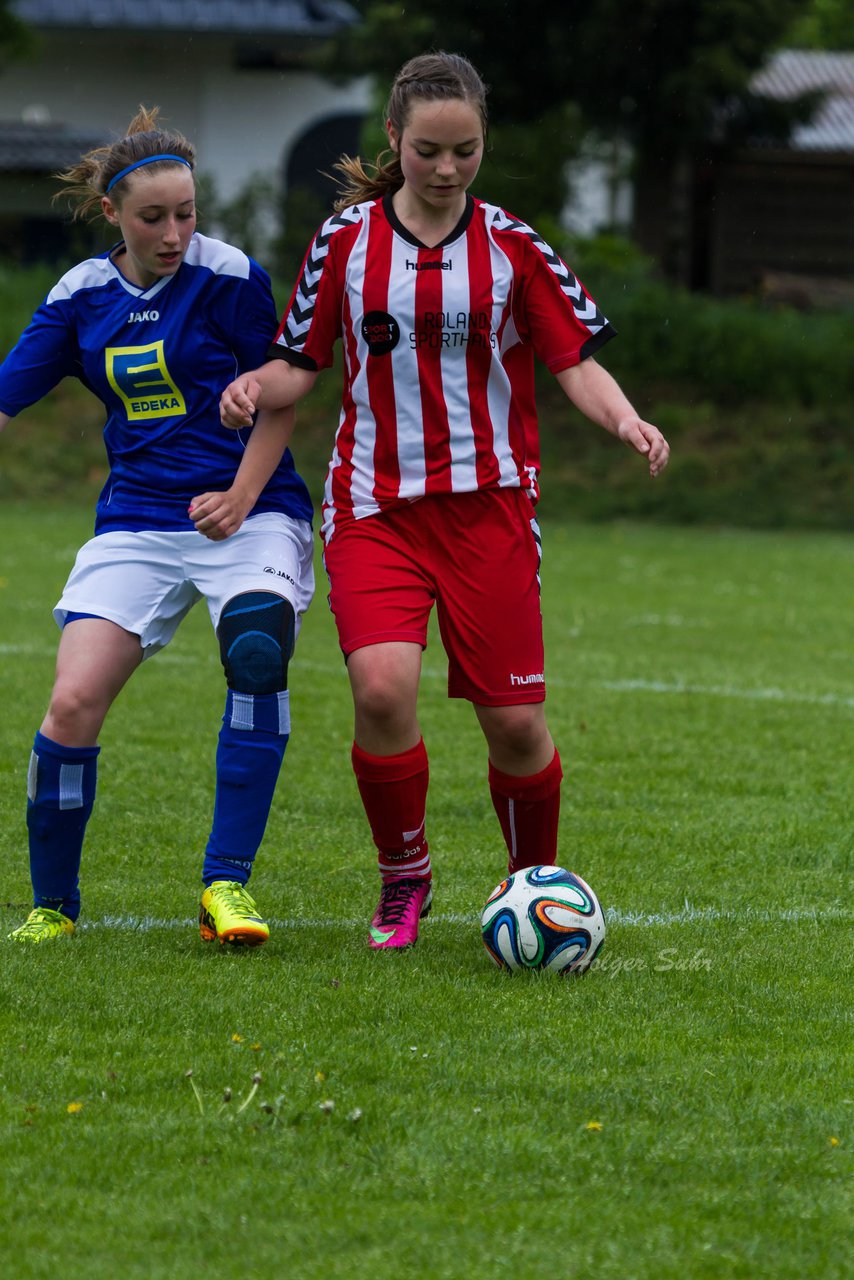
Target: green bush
[757,406]
[728,352]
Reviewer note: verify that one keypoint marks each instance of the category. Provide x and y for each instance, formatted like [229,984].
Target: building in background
[780,220]
[768,218]
[231,74]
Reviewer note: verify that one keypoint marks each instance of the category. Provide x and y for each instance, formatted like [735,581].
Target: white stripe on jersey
[92,274]
[458,403]
[439,345]
[220,258]
[497,387]
[362,489]
[407,393]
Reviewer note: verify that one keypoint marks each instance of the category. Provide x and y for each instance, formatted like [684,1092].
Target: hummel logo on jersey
[536,678]
[428,266]
[136,316]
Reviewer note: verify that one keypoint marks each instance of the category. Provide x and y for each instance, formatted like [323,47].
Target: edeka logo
[139,376]
[381,332]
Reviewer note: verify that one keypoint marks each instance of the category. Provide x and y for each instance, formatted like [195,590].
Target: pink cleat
[402,904]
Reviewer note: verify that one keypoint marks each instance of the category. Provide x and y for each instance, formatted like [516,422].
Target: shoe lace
[395,899]
[237,900]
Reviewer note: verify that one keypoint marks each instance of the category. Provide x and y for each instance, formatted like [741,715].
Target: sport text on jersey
[139,376]
[442,329]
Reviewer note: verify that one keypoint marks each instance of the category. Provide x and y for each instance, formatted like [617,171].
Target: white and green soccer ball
[543,918]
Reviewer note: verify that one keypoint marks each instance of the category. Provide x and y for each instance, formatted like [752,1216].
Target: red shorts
[477,556]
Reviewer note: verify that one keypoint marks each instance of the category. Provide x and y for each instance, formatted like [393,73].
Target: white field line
[725,691]
[613,915]
[676,687]
[431,672]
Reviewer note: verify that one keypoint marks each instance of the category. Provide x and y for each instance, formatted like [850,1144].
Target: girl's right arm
[219,514]
[276,385]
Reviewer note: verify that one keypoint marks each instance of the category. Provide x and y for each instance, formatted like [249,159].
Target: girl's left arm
[601,399]
[218,515]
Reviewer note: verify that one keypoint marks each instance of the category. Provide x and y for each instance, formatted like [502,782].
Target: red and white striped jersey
[438,348]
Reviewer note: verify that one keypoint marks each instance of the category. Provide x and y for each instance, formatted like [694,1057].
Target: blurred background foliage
[757,404]
[756,399]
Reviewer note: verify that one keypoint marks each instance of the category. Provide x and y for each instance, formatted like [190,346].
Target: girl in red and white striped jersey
[441,302]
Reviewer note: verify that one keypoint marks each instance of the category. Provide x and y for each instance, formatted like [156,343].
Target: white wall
[242,122]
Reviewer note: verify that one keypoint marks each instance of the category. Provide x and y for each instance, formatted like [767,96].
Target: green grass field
[682,1112]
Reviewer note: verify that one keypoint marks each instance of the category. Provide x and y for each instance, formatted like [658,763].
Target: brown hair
[87,181]
[430,77]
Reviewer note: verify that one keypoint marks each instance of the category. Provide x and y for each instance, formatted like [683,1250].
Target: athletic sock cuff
[397,768]
[537,786]
[47,747]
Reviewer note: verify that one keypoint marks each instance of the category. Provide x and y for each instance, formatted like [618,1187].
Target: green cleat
[229,914]
[42,924]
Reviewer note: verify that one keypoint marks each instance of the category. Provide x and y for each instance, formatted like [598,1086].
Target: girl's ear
[109,211]
[393,136]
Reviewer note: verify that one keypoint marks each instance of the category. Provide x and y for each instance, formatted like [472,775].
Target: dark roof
[792,72]
[43,148]
[236,17]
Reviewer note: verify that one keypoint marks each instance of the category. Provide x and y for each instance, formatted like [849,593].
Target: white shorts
[148,582]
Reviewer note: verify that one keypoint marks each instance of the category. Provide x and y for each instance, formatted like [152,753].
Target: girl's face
[157,217]
[440,150]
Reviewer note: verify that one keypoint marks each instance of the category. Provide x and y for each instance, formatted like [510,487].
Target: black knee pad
[256,641]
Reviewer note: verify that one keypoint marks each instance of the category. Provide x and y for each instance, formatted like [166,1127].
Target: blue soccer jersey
[158,359]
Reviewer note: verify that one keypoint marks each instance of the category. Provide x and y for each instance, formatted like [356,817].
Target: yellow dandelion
[834,1142]
[319,1077]
[256,1046]
[594,1125]
[74,1107]
[237,1039]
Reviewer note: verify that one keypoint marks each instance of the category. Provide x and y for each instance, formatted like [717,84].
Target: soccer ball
[543,918]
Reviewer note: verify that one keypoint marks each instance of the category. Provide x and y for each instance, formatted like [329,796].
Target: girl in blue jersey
[155,327]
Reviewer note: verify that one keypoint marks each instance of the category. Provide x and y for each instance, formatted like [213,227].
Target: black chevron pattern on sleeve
[585,308]
[300,315]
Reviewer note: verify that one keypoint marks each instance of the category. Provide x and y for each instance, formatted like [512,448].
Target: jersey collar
[135,289]
[405,234]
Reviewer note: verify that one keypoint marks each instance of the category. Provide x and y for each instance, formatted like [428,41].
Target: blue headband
[137,163]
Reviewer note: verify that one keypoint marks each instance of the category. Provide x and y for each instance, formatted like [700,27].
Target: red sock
[394,793]
[528,810]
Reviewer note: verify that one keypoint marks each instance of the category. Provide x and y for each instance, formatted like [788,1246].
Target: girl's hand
[239,401]
[646,439]
[219,515]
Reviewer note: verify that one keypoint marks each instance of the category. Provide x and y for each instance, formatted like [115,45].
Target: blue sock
[252,740]
[60,795]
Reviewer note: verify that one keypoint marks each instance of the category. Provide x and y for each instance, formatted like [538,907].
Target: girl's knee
[516,734]
[74,714]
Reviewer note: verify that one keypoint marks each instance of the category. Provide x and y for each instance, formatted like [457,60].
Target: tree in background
[15,38]
[826,24]
[668,78]
[523,52]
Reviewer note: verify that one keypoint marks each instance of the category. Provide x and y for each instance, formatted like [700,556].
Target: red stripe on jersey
[430,335]
[438,362]
[379,370]
[339,479]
